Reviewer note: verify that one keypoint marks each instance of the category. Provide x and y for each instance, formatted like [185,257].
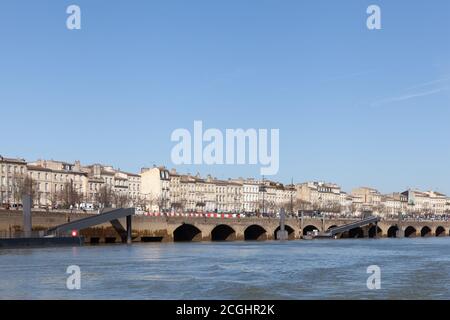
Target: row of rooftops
[13,160]
[64,167]
[166,174]
[76,167]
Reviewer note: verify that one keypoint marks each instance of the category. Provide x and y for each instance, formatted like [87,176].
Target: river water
[321,269]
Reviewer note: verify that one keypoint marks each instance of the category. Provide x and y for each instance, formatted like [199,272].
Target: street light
[165,190]
[263,190]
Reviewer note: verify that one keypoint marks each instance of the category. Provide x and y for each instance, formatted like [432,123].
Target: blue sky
[353,106]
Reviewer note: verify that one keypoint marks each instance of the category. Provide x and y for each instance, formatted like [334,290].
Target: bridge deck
[332,232]
[88,222]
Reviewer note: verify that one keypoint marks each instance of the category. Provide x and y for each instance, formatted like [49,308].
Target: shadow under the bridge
[223,232]
[378,234]
[309,228]
[440,231]
[255,232]
[393,232]
[425,232]
[187,232]
[410,232]
[290,230]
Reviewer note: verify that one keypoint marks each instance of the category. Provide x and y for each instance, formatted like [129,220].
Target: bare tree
[17,188]
[24,185]
[302,205]
[179,206]
[354,207]
[261,206]
[140,202]
[69,196]
[150,201]
[54,196]
[381,209]
[121,199]
[286,205]
[161,203]
[333,206]
[104,197]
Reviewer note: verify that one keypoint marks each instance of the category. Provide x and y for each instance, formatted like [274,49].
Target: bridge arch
[425,232]
[410,232]
[356,233]
[187,232]
[338,235]
[392,232]
[309,228]
[440,231]
[372,234]
[290,231]
[223,232]
[255,232]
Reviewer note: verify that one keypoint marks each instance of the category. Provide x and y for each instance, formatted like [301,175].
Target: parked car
[87,206]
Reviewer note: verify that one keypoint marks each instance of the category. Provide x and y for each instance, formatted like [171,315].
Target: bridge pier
[129,228]
[366,231]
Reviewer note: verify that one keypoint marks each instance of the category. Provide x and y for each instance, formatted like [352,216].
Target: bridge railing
[309,217]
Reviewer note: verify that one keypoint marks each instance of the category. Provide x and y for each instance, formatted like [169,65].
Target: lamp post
[263,190]
[292,197]
[165,190]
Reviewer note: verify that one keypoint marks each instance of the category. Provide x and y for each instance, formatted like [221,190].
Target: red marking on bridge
[194,215]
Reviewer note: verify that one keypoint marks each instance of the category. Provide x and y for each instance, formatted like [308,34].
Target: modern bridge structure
[335,231]
[112,216]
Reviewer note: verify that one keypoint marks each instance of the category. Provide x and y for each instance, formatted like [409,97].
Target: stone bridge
[212,229]
[152,229]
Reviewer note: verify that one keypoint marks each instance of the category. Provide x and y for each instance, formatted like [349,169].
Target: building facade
[426,202]
[367,199]
[322,196]
[122,188]
[12,173]
[168,190]
[54,179]
[158,189]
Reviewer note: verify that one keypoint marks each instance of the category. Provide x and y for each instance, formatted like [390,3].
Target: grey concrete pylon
[282,234]
[27,223]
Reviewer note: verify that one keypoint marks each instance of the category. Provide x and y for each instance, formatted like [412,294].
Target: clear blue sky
[353,106]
